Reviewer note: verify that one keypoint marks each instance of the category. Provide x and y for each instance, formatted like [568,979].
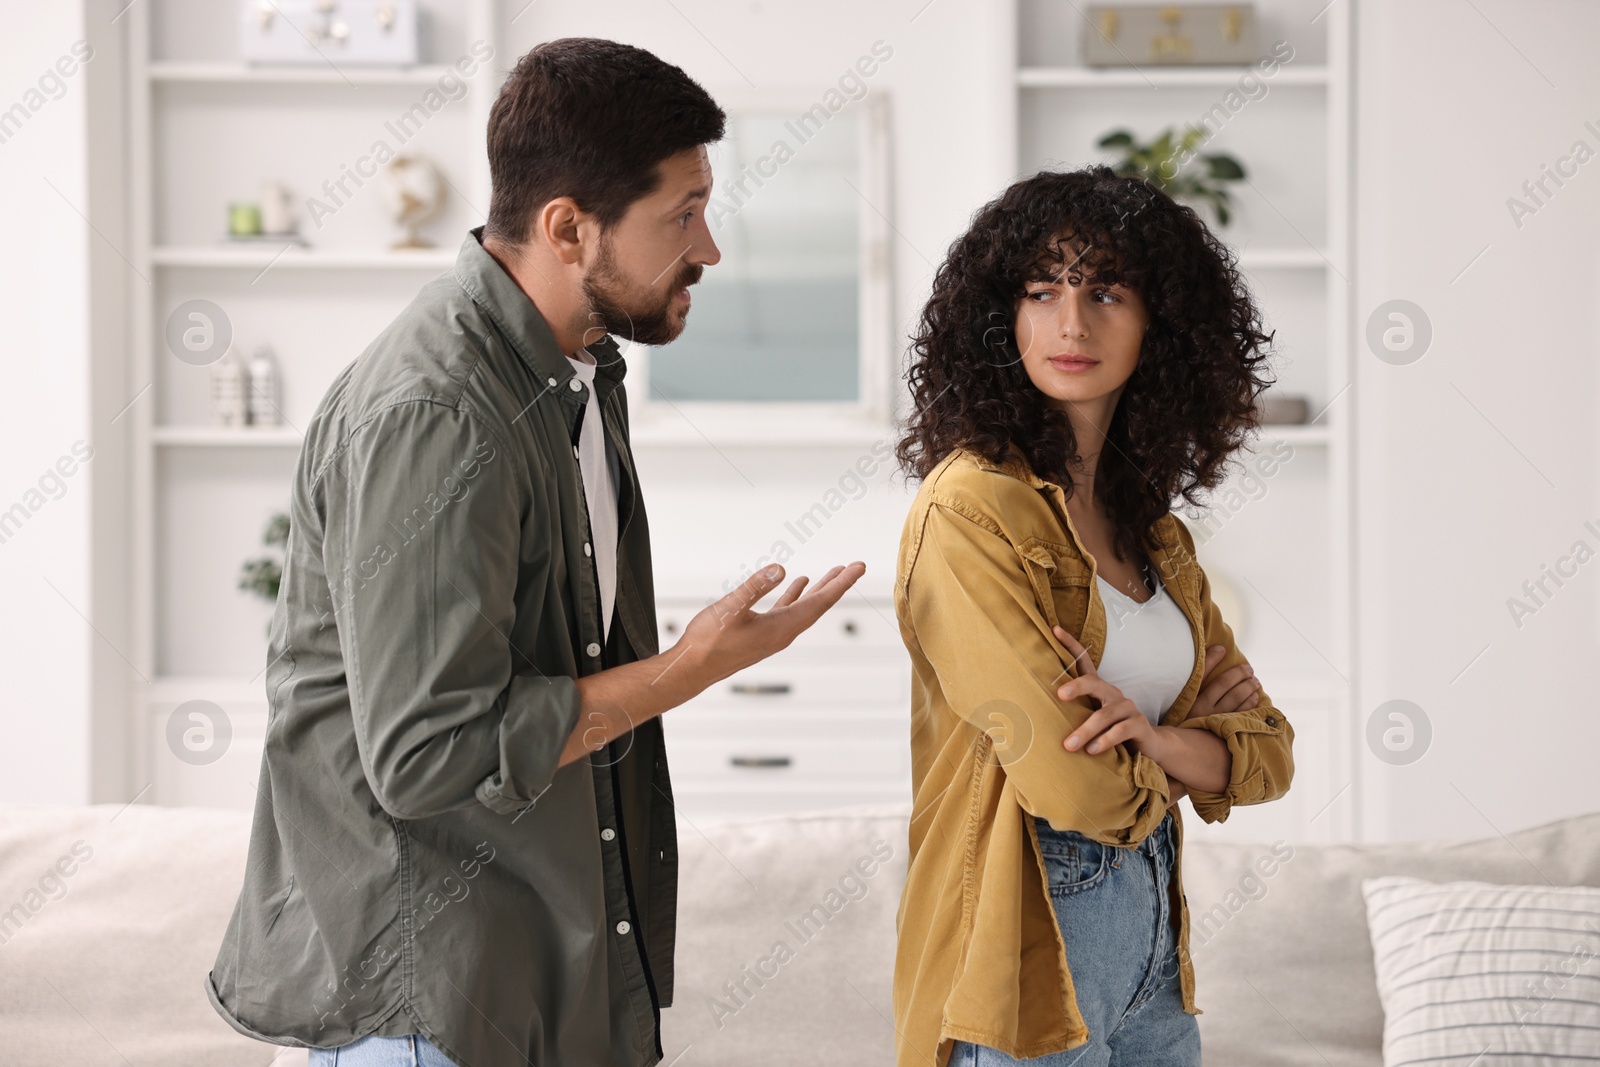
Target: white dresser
[823,723]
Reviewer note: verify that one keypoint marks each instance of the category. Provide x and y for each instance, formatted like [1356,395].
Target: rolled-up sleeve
[973,611]
[424,526]
[1260,739]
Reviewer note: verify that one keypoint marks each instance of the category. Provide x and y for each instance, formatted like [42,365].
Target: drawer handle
[761,689]
[760,761]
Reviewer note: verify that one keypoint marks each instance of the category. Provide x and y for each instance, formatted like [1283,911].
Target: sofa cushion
[110,918]
[786,935]
[1469,969]
[1283,962]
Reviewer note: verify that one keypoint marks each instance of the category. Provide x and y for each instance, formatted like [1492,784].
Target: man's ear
[564,228]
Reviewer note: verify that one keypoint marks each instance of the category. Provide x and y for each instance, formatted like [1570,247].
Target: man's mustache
[688,276]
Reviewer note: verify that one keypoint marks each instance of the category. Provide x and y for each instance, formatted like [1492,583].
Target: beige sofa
[110,918]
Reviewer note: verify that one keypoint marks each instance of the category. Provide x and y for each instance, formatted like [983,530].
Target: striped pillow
[1484,974]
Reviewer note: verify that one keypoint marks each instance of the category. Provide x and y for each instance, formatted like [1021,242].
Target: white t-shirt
[599,493]
[1149,651]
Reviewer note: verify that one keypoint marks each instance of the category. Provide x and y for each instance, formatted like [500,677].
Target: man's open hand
[730,635]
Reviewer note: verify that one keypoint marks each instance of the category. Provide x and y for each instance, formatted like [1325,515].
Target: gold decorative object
[1132,35]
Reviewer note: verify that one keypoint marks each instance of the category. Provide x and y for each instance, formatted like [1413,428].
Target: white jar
[263,388]
[229,406]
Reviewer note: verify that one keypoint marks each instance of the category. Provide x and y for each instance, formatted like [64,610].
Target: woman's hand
[1235,689]
[1116,720]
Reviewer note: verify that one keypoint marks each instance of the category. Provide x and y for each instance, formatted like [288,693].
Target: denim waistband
[1163,836]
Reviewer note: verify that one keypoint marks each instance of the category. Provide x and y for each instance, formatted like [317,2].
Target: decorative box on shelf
[1135,35]
[328,31]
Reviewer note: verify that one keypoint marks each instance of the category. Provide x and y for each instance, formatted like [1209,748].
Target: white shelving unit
[1286,551]
[205,129]
[757,743]
[290,257]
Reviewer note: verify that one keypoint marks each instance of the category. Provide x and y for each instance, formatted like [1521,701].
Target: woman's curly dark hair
[1191,401]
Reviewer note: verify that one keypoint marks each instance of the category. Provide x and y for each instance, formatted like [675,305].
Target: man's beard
[610,309]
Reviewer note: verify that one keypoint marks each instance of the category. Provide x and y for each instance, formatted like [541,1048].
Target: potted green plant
[1165,163]
[262,576]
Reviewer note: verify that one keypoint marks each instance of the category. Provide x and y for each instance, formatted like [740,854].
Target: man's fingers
[824,595]
[750,591]
[833,572]
[792,592]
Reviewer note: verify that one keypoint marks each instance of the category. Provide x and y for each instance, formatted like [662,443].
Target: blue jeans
[1122,947]
[413,1050]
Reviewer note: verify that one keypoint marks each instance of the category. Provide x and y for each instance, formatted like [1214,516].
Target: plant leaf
[1225,168]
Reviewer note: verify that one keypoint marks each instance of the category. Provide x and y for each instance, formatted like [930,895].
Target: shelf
[1296,433]
[1282,258]
[1161,77]
[259,256]
[223,688]
[321,74]
[756,424]
[224,437]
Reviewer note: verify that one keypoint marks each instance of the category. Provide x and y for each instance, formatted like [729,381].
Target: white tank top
[1149,651]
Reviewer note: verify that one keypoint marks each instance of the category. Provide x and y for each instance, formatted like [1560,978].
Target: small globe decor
[413,193]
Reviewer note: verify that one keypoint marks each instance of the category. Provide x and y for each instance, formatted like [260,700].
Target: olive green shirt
[418,863]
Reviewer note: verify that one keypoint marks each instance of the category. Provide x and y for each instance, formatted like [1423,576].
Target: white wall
[1477,463]
[1474,463]
[44,291]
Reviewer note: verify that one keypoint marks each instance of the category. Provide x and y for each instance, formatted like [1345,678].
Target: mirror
[794,317]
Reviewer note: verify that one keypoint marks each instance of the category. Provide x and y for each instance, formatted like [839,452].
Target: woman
[1089,354]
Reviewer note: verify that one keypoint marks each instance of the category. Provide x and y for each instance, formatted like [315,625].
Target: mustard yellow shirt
[989,562]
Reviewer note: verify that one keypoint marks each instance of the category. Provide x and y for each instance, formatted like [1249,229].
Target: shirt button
[552,383]
[588,551]
[608,834]
[1272,720]
[624,926]
[593,649]
[577,386]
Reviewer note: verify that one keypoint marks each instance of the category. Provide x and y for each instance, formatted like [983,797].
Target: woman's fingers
[1119,731]
[1235,698]
[1080,655]
[1090,728]
[1100,723]
[1090,685]
[1217,687]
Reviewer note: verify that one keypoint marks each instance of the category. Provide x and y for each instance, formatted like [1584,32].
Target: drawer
[852,758]
[696,719]
[854,622]
[807,678]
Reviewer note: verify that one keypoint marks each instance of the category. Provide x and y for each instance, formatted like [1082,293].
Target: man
[464,847]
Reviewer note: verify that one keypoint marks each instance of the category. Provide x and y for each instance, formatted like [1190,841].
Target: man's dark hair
[590,119]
